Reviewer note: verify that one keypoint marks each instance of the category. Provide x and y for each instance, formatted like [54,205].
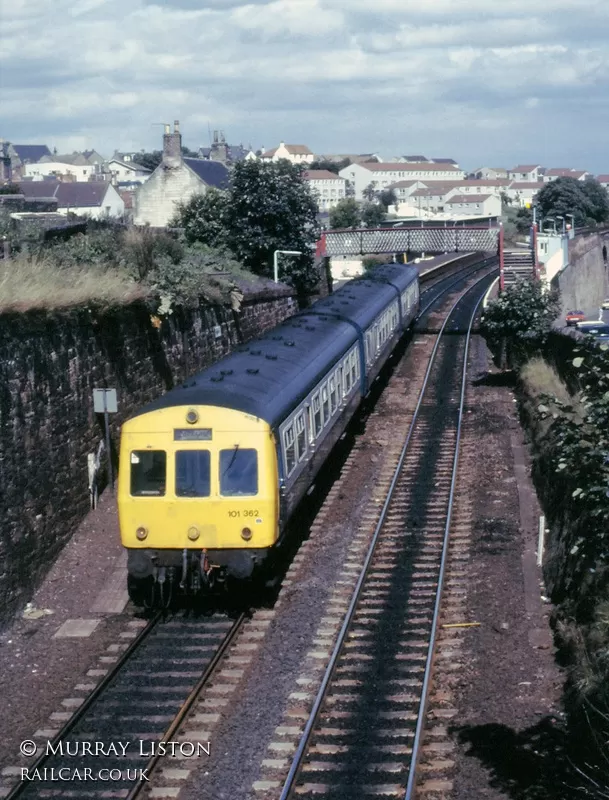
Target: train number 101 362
[244,513]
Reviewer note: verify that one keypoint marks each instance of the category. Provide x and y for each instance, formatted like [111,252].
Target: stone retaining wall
[49,365]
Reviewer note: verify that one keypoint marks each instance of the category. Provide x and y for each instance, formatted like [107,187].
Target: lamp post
[276,261]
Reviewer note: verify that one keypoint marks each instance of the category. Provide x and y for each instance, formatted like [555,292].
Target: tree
[388,197]
[369,193]
[598,199]
[587,201]
[372,215]
[345,214]
[267,207]
[518,322]
[149,160]
[272,208]
[331,166]
[203,218]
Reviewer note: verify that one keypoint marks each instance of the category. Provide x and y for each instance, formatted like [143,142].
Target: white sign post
[105,402]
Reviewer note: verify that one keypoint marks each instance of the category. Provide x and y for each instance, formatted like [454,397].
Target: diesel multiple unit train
[211,472]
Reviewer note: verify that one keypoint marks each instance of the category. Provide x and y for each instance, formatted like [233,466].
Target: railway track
[150,691]
[142,701]
[364,731]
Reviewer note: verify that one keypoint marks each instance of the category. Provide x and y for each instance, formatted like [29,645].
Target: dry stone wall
[49,366]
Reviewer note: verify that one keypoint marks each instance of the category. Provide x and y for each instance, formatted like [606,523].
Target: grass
[28,283]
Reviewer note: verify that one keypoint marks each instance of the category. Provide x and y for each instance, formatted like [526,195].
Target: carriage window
[347,376]
[148,473]
[192,473]
[354,367]
[317,418]
[238,472]
[325,404]
[301,436]
[289,448]
[333,395]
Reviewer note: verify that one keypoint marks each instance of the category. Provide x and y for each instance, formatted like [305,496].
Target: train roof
[269,376]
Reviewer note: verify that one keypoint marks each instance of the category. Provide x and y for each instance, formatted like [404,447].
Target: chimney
[172,146]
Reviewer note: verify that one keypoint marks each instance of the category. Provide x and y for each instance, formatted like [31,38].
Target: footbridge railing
[406,240]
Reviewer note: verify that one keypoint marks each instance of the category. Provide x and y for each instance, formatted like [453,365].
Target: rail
[301,749]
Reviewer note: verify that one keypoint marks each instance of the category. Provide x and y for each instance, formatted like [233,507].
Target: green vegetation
[586,200]
[267,207]
[348,213]
[34,282]
[518,322]
[564,403]
[331,166]
[113,265]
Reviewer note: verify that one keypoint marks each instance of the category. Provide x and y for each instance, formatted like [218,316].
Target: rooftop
[321,175]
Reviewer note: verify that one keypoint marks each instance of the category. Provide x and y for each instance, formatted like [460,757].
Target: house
[92,199]
[604,181]
[174,181]
[328,187]
[490,173]
[296,153]
[556,172]
[381,176]
[525,173]
[483,205]
[523,193]
[21,154]
[62,170]
[125,172]
[225,153]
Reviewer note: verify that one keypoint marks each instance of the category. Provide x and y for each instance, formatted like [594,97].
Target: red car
[573,317]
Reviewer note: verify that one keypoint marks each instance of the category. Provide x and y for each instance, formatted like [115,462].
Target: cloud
[473,80]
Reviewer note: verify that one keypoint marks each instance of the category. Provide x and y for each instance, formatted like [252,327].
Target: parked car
[598,329]
[605,304]
[573,317]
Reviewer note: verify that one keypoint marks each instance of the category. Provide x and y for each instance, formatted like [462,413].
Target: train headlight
[193,533]
[246,534]
[191,416]
[141,533]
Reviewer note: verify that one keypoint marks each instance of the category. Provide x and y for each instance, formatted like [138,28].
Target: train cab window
[301,436]
[238,472]
[325,404]
[148,473]
[318,422]
[193,473]
[289,447]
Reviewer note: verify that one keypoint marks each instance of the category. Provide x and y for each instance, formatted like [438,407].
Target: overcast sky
[481,81]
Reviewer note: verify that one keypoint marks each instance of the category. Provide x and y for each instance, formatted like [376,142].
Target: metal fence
[403,240]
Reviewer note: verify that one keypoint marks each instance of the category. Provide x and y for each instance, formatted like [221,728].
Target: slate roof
[31,152]
[526,185]
[524,168]
[75,195]
[565,172]
[415,159]
[213,173]
[444,161]
[321,175]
